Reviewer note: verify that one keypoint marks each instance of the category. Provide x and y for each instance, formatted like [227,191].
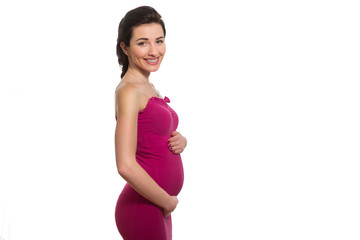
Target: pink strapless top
[155,123]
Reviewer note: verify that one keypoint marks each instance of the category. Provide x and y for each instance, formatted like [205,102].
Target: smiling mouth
[152,61]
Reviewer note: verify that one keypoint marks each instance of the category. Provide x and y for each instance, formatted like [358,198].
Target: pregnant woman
[147,145]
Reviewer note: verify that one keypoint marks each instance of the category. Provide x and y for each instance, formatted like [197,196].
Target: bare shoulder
[127,98]
[126,89]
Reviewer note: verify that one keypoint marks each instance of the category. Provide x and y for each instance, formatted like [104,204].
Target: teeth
[151,60]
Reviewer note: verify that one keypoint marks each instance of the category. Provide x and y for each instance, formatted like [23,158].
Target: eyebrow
[146,39]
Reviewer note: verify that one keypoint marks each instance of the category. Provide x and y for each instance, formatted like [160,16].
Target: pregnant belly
[166,170]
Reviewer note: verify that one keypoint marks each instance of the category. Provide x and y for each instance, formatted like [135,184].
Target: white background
[267,93]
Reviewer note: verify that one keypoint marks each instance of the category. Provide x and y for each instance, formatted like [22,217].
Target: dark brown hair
[134,18]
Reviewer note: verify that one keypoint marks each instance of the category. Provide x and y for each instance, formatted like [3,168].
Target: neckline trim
[165,100]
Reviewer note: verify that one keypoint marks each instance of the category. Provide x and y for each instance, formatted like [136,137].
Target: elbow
[124,170]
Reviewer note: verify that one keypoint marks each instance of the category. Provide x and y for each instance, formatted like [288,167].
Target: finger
[174,150]
[174,133]
[171,145]
[172,139]
[175,143]
[176,147]
[177,136]
[177,151]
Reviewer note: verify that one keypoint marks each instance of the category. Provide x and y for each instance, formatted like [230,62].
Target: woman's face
[147,47]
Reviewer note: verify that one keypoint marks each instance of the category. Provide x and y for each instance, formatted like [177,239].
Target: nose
[153,50]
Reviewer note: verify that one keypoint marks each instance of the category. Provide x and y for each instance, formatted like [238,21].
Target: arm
[127,107]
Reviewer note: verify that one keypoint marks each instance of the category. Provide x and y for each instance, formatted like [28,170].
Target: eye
[160,41]
[142,43]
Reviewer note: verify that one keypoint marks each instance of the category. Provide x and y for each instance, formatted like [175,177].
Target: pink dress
[136,217]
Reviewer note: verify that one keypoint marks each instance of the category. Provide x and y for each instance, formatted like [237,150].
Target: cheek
[139,53]
[163,50]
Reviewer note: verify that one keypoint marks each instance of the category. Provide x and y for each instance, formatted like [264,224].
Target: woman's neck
[138,76]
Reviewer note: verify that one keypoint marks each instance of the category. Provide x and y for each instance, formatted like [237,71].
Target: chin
[153,69]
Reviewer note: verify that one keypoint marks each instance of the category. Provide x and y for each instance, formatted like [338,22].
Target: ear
[124,48]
